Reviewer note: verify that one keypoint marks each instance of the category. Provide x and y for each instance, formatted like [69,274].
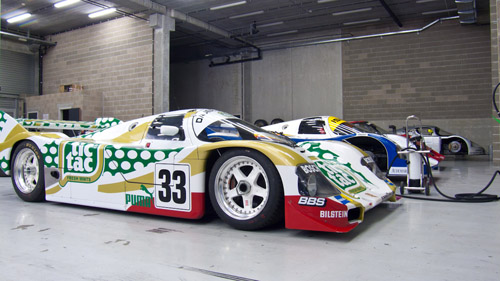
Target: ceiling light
[19,18]
[102,13]
[282,33]
[439,12]
[424,1]
[65,3]
[247,14]
[352,11]
[325,1]
[228,5]
[361,21]
[269,24]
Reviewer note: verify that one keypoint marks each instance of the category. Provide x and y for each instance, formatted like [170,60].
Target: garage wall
[495,75]
[112,59]
[442,75]
[287,84]
[296,83]
[195,85]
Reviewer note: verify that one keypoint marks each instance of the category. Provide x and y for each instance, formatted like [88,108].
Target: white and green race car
[179,163]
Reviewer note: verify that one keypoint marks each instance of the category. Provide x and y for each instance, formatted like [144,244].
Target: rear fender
[10,134]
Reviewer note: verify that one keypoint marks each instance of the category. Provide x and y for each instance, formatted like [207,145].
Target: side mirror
[393,128]
[168,131]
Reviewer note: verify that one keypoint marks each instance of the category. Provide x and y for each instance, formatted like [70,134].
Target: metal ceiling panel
[255,21]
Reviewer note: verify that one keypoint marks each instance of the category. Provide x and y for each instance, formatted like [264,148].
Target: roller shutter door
[17,73]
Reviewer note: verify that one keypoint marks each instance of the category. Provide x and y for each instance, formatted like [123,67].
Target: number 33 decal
[172,187]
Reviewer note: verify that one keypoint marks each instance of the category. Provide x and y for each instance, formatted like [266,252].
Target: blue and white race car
[383,150]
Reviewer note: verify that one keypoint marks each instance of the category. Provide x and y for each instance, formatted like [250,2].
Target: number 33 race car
[175,164]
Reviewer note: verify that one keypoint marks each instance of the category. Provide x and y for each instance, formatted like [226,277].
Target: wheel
[277,121]
[457,147]
[245,190]
[260,123]
[27,172]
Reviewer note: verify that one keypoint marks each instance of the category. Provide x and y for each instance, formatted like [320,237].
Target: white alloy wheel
[26,170]
[242,187]
[245,189]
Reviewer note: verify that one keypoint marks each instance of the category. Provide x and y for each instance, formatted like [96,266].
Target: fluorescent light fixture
[352,11]
[424,1]
[361,21]
[228,5]
[282,33]
[19,18]
[102,13]
[439,12]
[269,24]
[325,1]
[65,3]
[247,14]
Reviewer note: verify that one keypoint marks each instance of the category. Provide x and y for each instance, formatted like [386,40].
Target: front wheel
[27,172]
[245,190]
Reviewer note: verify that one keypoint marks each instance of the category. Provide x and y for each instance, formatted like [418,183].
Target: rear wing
[98,124]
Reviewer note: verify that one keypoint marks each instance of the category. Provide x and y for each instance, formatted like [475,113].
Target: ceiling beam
[161,9]
[391,13]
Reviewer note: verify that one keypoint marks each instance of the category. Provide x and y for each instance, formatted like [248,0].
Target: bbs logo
[312,201]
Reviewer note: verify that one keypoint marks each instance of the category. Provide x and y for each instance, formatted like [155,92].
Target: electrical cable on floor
[478,197]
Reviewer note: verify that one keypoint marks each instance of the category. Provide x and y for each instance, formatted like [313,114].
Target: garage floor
[407,240]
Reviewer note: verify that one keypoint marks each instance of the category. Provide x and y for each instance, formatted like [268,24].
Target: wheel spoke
[248,202]
[253,177]
[259,191]
[232,193]
[238,175]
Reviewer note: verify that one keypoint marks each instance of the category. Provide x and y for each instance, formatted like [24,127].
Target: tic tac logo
[80,157]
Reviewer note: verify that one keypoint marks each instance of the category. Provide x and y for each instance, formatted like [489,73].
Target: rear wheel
[27,172]
[245,190]
[457,147]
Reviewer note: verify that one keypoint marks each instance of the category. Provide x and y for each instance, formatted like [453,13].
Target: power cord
[478,197]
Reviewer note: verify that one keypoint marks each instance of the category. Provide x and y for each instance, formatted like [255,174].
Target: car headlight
[312,182]
[372,166]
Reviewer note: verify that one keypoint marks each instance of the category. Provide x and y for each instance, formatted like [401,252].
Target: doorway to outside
[70,114]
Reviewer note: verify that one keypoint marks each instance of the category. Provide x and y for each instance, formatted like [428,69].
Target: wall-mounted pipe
[40,41]
[378,35]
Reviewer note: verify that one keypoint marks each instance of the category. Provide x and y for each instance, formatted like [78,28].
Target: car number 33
[172,187]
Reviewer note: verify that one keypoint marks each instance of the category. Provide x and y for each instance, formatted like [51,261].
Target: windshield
[237,129]
[368,127]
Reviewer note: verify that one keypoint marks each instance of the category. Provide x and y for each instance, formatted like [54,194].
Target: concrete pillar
[162,25]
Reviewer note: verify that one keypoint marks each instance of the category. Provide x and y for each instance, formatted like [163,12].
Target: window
[174,121]
[312,126]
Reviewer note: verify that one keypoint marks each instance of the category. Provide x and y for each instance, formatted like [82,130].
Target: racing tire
[457,147]
[277,121]
[245,190]
[27,172]
[260,123]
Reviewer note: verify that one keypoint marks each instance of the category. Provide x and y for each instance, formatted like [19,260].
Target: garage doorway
[70,114]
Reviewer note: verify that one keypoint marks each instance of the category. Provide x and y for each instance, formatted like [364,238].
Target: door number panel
[172,187]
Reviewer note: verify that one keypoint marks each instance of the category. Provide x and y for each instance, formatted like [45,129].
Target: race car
[444,142]
[321,128]
[369,127]
[179,163]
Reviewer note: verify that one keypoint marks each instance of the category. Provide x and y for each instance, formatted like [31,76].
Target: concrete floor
[407,240]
